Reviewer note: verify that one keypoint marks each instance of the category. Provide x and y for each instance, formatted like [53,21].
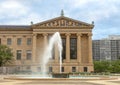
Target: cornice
[63,27]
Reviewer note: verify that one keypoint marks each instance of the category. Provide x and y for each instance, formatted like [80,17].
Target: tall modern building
[28,44]
[106,49]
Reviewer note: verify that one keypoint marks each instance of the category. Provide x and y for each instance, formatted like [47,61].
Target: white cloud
[25,20]
[12,8]
[16,12]
[81,3]
[96,10]
[102,33]
[103,13]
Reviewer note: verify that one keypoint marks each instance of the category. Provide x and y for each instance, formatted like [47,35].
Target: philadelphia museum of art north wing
[28,43]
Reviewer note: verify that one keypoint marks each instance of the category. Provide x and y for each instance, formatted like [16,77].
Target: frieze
[62,30]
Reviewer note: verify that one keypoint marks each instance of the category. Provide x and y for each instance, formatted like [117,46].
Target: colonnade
[79,36]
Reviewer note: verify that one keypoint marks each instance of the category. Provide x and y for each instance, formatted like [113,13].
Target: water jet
[55,39]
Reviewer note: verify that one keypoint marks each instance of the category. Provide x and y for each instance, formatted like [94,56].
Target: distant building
[107,49]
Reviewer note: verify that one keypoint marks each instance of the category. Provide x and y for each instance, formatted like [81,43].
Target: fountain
[55,39]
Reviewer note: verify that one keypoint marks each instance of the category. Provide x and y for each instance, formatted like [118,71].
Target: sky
[104,13]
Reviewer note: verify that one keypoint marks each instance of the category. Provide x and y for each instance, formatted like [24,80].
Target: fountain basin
[31,78]
[60,75]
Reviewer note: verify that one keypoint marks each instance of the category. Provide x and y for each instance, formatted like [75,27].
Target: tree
[101,66]
[115,66]
[107,66]
[6,55]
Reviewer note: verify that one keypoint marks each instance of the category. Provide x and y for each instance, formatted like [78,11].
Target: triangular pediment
[62,21]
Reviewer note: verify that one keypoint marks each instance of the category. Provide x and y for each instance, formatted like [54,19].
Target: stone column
[67,47]
[90,47]
[34,48]
[45,39]
[56,53]
[79,47]
[15,45]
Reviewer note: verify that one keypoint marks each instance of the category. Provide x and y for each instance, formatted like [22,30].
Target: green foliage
[107,66]
[6,55]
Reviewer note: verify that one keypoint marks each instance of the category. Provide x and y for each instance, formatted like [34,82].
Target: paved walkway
[58,82]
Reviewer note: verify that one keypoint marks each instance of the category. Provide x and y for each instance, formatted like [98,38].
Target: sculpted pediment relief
[61,21]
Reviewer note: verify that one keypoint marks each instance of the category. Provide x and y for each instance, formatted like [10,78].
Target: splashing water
[48,51]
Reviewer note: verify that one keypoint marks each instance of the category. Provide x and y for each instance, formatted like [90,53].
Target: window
[53,52]
[19,54]
[9,41]
[28,54]
[0,41]
[50,69]
[39,69]
[64,48]
[19,40]
[73,48]
[28,67]
[85,69]
[62,69]
[29,41]
[73,69]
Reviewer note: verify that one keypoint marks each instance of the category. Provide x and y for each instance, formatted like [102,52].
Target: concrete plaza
[115,81]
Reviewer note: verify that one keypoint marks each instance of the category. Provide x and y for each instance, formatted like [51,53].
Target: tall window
[85,69]
[73,69]
[9,41]
[53,52]
[62,69]
[39,69]
[64,48]
[28,54]
[73,48]
[19,53]
[0,41]
[50,69]
[19,40]
[29,41]
[28,68]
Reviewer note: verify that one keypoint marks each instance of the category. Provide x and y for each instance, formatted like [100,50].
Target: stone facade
[18,38]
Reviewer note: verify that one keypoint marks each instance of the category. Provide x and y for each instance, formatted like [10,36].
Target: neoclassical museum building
[28,44]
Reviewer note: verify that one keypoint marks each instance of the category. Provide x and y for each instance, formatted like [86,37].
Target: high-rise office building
[106,49]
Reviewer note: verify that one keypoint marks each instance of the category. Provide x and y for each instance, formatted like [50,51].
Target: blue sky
[104,13]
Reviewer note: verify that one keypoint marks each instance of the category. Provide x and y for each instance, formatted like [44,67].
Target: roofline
[15,27]
[60,17]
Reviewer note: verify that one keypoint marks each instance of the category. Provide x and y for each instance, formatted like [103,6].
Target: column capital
[34,34]
[79,34]
[67,34]
[89,34]
[45,34]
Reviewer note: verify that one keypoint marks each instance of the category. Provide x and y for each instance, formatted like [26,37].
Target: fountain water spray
[48,51]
